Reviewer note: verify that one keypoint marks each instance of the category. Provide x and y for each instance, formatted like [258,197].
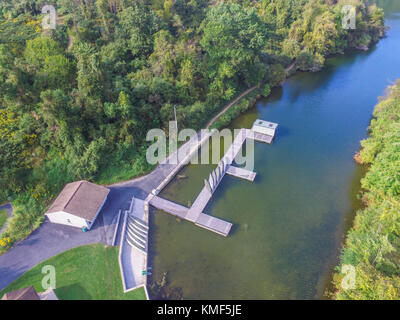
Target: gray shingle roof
[80,198]
[28,293]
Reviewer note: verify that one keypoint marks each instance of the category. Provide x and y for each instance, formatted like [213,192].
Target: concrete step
[134,245]
[137,242]
[138,226]
[137,230]
[137,237]
[139,222]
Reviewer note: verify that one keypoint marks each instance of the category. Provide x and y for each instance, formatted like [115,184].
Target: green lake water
[290,223]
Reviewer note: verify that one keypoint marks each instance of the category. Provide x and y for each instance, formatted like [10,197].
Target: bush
[266,91]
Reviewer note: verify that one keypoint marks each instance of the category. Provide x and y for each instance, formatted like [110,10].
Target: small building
[78,204]
[264,127]
[29,293]
[49,294]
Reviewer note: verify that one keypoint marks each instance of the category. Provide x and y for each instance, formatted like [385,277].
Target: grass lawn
[82,273]
[3,217]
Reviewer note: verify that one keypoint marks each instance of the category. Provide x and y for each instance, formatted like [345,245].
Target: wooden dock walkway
[204,196]
[214,224]
[235,147]
[241,173]
[195,212]
[169,206]
[199,205]
[202,220]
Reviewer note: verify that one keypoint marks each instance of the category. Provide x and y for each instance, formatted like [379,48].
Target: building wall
[67,219]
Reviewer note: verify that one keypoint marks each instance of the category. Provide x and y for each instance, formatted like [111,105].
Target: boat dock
[202,220]
[205,195]
[241,173]
[199,205]
[169,206]
[134,232]
[260,137]
[262,131]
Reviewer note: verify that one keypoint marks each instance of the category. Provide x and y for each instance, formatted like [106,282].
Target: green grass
[3,217]
[83,273]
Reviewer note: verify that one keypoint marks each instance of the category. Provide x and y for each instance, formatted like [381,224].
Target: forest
[76,102]
[373,244]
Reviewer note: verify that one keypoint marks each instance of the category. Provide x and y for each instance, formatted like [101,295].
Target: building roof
[49,294]
[28,293]
[80,198]
[265,124]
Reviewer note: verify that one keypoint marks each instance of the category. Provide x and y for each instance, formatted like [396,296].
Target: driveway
[51,239]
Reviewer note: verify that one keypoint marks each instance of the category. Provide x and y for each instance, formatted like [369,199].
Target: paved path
[243,94]
[229,105]
[9,210]
[293,64]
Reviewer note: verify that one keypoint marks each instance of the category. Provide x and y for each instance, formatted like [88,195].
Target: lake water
[290,223]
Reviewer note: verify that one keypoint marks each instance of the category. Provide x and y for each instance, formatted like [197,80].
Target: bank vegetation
[373,244]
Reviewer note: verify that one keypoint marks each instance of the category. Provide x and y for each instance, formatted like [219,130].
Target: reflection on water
[288,224]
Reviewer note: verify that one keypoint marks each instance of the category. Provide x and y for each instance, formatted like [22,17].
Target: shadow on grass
[73,292]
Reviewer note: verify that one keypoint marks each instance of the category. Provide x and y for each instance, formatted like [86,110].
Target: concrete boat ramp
[134,246]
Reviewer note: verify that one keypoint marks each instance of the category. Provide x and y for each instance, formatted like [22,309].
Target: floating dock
[262,131]
[202,220]
[214,224]
[199,205]
[260,137]
[241,173]
[169,206]
[264,127]
[205,195]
